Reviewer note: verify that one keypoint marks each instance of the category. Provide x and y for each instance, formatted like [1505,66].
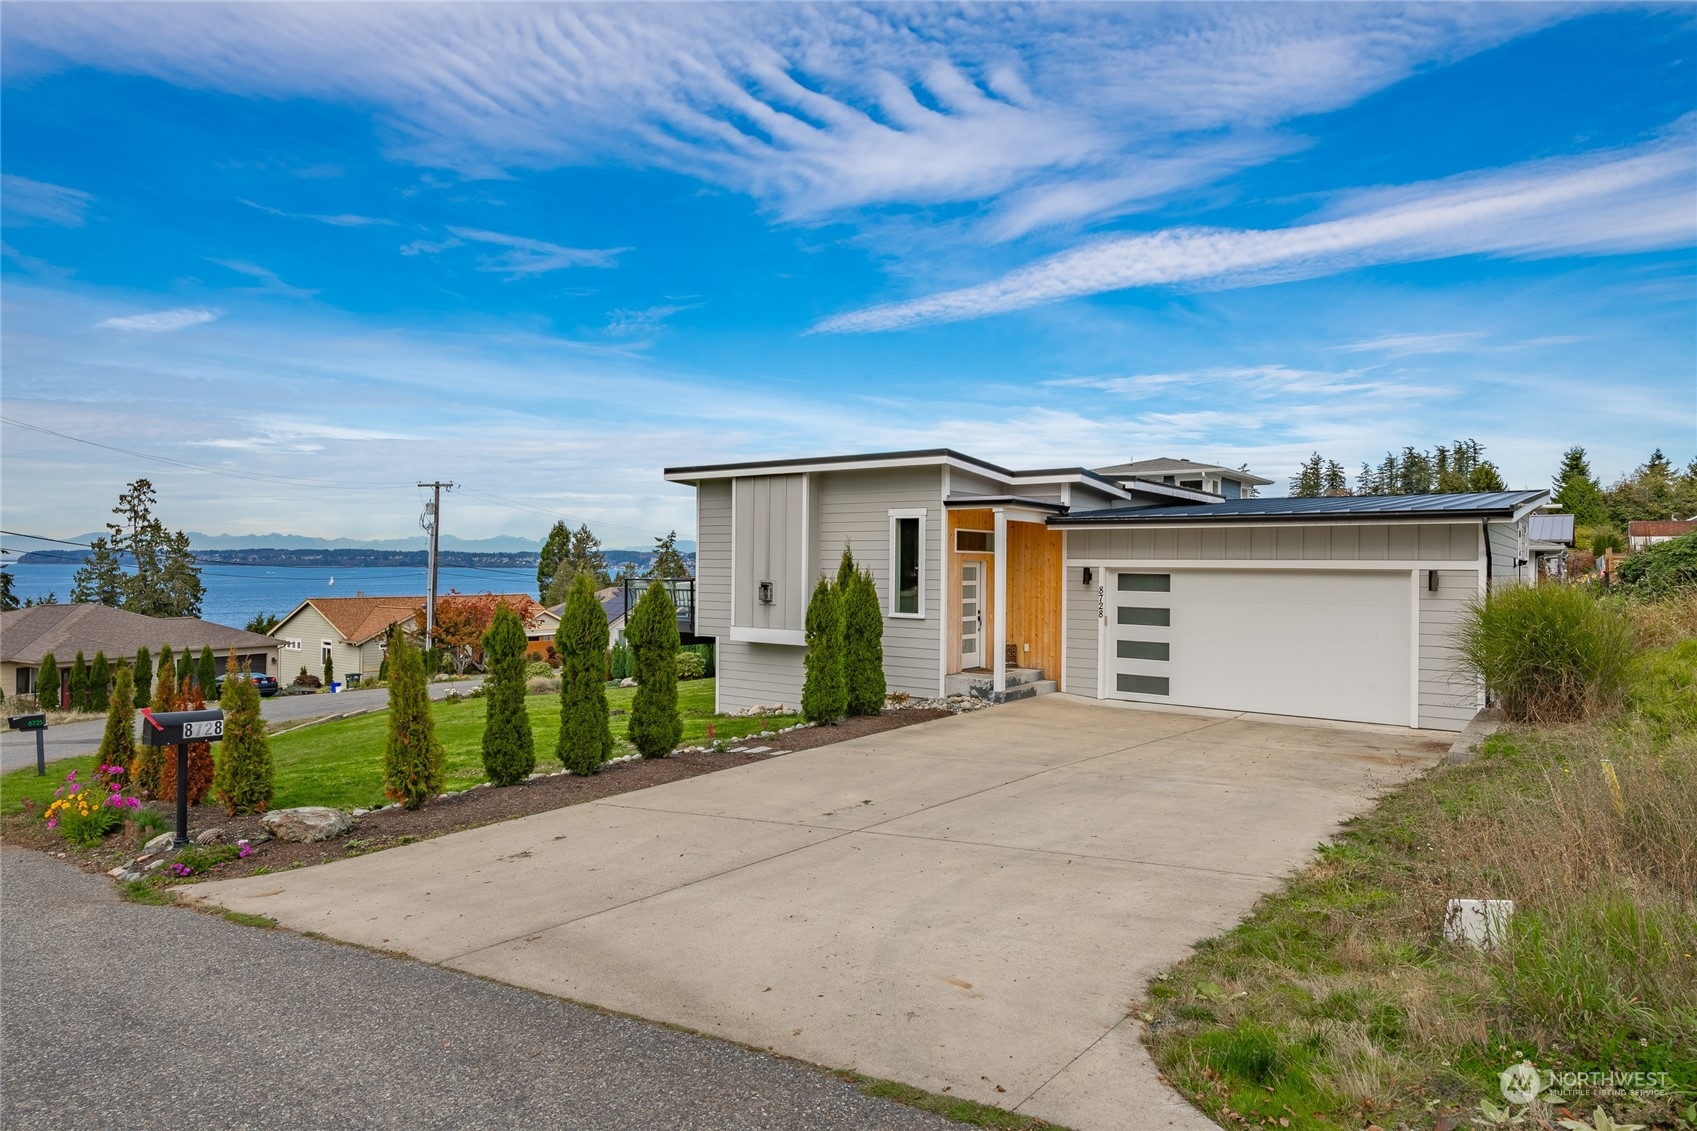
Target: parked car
[267,684]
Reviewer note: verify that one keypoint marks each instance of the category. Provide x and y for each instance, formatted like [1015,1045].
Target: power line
[323,484]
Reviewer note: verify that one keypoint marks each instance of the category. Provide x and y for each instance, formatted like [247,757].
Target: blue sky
[329,250]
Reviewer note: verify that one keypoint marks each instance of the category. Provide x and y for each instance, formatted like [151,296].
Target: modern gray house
[1108,583]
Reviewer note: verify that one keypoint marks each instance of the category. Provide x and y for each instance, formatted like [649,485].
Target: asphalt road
[18,749]
[128,1016]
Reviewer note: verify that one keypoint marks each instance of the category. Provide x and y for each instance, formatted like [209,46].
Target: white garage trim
[1352,565]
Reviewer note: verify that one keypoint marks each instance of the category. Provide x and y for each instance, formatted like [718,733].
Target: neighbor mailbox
[179,729]
[37,723]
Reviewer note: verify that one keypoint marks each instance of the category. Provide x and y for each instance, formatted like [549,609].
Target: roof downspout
[1485,529]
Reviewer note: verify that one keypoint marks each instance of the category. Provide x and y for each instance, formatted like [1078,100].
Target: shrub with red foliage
[201,767]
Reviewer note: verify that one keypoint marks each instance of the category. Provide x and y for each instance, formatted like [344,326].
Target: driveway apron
[969,905]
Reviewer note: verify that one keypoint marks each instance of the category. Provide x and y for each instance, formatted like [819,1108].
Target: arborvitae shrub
[586,738]
[142,677]
[79,683]
[412,756]
[824,693]
[655,726]
[148,770]
[509,753]
[100,684]
[47,683]
[201,769]
[206,674]
[863,645]
[329,669]
[244,774]
[118,743]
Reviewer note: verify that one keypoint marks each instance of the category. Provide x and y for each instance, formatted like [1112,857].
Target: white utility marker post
[1001,635]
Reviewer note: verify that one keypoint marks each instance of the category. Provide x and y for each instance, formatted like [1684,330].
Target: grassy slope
[1337,1004]
[341,762]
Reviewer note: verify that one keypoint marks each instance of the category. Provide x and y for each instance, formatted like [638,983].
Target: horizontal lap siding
[1448,697]
[1081,631]
[1379,542]
[713,557]
[854,507]
[758,674]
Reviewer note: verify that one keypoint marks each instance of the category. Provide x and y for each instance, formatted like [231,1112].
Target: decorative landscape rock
[307,824]
[160,843]
[210,836]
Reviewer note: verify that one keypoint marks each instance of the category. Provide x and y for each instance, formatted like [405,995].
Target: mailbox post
[37,723]
[179,729]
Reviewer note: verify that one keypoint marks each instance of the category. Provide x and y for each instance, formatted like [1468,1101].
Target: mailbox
[27,722]
[176,728]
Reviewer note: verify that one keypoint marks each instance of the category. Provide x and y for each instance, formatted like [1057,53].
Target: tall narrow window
[907,563]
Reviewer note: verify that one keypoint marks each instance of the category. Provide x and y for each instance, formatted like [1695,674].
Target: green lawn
[340,763]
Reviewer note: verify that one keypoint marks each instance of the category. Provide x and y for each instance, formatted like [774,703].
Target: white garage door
[1330,644]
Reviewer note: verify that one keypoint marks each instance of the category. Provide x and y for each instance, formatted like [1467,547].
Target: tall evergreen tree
[100,581]
[142,678]
[8,598]
[166,581]
[148,770]
[509,752]
[330,668]
[586,737]
[553,549]
[118,742]
[863,644]
[48,683]
[668,560]
[206,672]
[1577,491]
[243,779]
[1334,481]
[412,755]
[165,661]
[79,683]
[1309,481]
[655,726]
[99,683]
[824,691]
[581,555]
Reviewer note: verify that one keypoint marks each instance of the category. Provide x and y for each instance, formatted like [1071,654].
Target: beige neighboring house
[352,631]
[27,635]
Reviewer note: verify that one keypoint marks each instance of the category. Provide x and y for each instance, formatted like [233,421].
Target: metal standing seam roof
[1481,504]
[1550,528]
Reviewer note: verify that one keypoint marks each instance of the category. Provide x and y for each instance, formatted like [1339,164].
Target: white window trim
[890,606]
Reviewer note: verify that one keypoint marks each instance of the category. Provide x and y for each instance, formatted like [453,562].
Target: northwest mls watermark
[1524,1082]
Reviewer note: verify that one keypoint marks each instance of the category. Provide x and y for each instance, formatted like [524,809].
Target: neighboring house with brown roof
[27,635]
[1642,534]
[352,631]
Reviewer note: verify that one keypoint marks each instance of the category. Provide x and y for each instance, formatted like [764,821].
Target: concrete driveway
[968,905]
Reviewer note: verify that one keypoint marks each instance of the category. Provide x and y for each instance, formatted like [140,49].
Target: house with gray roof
[1109,583]
[28,635]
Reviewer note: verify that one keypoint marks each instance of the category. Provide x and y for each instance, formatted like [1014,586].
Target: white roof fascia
[1541,501]
[1105,485]
[1062,522]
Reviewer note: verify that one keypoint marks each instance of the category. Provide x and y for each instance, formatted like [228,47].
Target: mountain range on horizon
[499,544]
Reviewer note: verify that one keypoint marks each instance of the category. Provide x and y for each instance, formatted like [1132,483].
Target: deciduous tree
[586,738]
[509,753]
[655,726]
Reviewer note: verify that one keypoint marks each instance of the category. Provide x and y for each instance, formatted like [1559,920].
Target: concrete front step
[1021,683]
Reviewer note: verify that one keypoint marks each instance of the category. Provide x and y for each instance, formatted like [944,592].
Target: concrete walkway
[967,905]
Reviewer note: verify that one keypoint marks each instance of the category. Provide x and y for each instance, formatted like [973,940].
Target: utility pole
[432,524]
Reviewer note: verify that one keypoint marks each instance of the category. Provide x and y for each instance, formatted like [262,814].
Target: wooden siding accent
[1034,595]
[976,519]
[1035,559]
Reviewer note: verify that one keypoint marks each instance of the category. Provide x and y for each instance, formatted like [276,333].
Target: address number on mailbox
[211,728]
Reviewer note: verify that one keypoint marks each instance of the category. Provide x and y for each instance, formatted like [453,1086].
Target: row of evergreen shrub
[845,646]
[88,685]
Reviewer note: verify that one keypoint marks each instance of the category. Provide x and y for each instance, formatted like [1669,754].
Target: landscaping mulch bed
[388,828]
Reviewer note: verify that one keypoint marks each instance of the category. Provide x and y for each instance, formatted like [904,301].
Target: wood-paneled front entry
[1033,558]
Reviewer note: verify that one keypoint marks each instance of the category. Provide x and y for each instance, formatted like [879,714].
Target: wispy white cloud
[269,283]
[1619,201]
[28,202]
[338,220]
[637,323]
[810,108]
[430,247]
[1414,345]
[531,257]
[162,321]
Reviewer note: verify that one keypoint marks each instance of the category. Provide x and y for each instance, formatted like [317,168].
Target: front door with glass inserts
[971,615]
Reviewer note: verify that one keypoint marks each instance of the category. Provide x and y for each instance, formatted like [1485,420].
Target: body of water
[235,594]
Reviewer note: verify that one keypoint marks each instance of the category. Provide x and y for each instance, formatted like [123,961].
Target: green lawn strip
[1336,1003]
[340,762]
[953,1108]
